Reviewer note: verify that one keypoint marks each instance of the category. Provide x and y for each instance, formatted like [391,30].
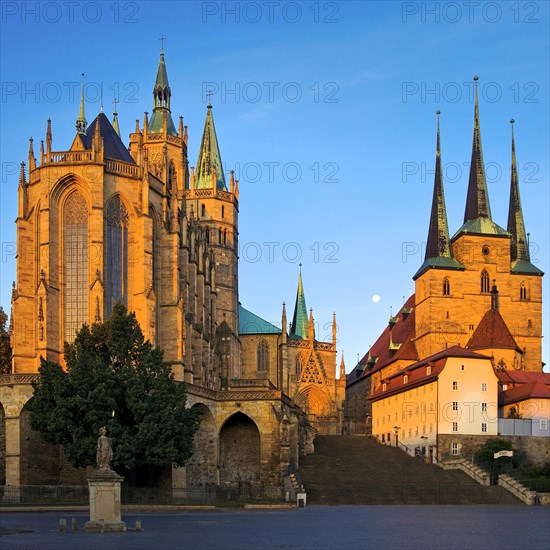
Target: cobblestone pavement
[315,527]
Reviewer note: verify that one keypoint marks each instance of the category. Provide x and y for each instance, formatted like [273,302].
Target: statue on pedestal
[104,453]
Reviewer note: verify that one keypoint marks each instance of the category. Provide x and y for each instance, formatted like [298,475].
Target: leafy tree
[514,413]
[487,451]
[5,346]
[115,379]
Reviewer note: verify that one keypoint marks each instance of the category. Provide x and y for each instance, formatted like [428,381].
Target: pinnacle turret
[81,123]
[209,164]
[161,102]
[299,326]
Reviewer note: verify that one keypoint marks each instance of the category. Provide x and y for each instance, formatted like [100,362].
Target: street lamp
[396,433]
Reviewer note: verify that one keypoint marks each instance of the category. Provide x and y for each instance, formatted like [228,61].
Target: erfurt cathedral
[103,221]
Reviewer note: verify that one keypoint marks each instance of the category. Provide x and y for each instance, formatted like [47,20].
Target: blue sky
[326,112]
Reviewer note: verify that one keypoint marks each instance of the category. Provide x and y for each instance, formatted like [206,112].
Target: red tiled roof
[417,374]
[492,332]
[402,333]
[533,390]
[523,377]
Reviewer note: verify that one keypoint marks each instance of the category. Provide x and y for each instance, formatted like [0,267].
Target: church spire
[81,122]
[161,101]
[438,246]
[299,326]
[477,200]
[519,246]
[209,161]
[516,227]
[438,232]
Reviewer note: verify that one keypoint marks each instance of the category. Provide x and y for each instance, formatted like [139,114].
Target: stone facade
[101,222]
[477,289]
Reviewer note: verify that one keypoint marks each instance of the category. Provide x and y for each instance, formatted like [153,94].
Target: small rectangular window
[484,386]
[454,448]
[484,427]
[455,386]
[484,407]
[455,405]
[455,426]
[543,423]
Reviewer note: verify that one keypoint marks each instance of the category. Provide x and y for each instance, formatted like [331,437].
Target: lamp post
[396,433]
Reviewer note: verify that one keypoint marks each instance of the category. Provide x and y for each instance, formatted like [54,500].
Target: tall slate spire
[519,246]
[210,160]
[438,245]
[299,326]
[81,122]
[516,227]
[161,102]
[477,215]
[477,200]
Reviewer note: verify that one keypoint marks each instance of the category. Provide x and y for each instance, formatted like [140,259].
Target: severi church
[467,342]
[102,222]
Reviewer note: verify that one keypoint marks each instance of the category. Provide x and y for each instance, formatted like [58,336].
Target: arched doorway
[40,463]
[201,468]
[239,450]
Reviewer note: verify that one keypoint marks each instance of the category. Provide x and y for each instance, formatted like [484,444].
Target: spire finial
[209,94]
[101,97]
[115,118]
[162,39]
[81,122]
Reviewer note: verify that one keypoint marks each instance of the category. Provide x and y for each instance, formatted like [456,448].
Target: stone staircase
[358,470]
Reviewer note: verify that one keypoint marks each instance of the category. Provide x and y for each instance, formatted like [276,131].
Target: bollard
[74,524]
[138,525]
[63,525]
[101,525]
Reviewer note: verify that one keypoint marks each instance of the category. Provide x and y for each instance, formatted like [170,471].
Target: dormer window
[384,386]
[405,379]
[428,370]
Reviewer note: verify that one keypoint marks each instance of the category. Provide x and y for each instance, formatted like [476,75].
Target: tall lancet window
[485,281]
[75,220]
[116,254]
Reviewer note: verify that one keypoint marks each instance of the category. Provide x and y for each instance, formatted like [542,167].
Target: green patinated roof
[521,266]
[299,326]
[162,76]
[250,323]
[161,96]
[209,157]
[155,124]
[481,226]
[440,262]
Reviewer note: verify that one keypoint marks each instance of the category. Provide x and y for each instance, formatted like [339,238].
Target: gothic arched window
[523,292]
[116,254]
[75,222]
[484,281]
[263,356]
[298,366]
[446,287]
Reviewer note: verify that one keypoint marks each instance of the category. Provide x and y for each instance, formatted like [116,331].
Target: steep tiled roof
[533,390]
[523,377]
[113,146]
[492,332]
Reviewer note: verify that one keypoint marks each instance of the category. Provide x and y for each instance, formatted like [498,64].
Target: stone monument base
[104,485]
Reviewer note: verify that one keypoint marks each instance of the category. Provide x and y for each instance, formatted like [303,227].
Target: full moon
[375,298]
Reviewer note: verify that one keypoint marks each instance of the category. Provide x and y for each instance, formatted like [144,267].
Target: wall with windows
[451,303]
[468,397]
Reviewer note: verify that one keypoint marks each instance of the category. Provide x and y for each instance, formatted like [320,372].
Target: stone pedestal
[104,487]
